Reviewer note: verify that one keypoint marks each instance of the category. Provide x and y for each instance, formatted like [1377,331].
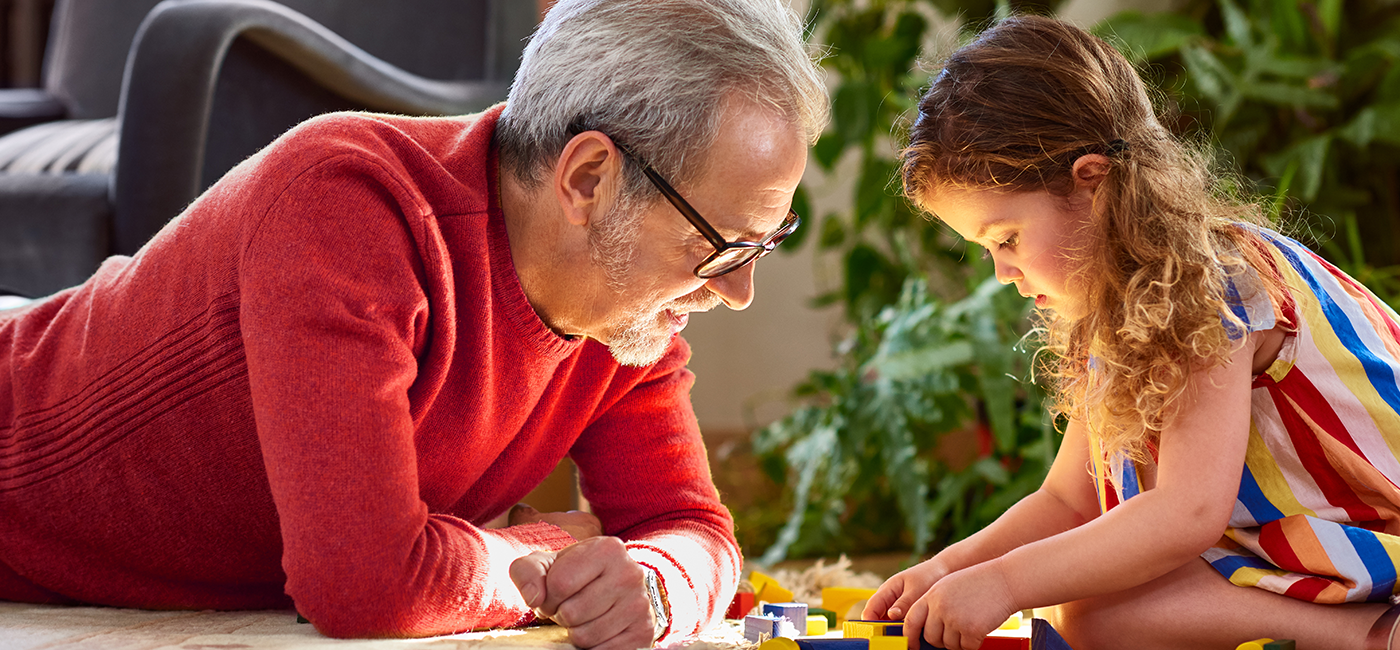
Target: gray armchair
[205,84]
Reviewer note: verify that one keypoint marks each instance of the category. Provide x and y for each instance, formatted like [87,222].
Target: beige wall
[746,362]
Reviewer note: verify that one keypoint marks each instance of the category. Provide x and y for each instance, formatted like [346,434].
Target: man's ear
[586,176]
[1089,170]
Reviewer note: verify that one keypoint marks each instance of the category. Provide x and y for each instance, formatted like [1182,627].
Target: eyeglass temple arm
[711,235]
[684,208]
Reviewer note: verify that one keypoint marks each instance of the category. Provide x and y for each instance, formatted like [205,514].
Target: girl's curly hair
[1012,111]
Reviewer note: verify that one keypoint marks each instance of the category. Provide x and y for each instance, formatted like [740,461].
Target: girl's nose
[1007,273]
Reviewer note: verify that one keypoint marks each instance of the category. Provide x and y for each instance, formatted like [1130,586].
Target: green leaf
[1288,27]
[1288,95]
[1310,156]
[874,198]
[923,361]
[992,470]
[1143,37]
[1214,80]
[828,149]
[1295,67]
[1376,123]
[807,456]
[852,108]
[1237,24]
[1329,13]
[833,232]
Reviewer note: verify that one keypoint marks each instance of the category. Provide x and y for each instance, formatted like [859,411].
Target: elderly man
[317,385]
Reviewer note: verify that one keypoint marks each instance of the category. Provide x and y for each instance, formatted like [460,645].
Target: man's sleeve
[643,469]
[333,310]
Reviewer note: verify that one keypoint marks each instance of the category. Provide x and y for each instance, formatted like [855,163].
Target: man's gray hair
[653,74]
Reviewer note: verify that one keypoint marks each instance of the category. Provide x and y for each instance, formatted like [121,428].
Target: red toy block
[740,606]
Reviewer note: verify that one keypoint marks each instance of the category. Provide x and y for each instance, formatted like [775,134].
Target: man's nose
[735,288]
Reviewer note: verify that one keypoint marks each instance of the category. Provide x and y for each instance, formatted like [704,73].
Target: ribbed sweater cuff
[684,599]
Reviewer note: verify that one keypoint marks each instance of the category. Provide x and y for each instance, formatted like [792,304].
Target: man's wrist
[660,604]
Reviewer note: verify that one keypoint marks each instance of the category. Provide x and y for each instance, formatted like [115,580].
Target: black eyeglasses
[728,256]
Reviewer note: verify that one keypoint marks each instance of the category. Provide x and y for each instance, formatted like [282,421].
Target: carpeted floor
[40,627]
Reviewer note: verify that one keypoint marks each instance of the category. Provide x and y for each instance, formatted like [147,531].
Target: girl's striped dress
[1318,512]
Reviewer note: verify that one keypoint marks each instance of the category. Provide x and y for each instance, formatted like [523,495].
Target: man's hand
[581,525]
[593,589]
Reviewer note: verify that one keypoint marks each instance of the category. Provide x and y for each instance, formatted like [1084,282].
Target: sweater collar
[507,294]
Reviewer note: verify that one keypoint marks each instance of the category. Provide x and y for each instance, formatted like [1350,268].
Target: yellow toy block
[816,625]
[768,590]
[1013,623]
[759,580]
[1257,644]
[868,629]
[888,643]
[778,643]
[841,599]
[772,593]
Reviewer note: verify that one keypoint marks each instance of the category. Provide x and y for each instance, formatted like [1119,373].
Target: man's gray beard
[613,243]
[637,340]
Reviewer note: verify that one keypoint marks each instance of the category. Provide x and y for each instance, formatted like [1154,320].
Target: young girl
[1229,470]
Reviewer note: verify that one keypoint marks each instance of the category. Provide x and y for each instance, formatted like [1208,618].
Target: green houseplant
[924,360]
[1301,96]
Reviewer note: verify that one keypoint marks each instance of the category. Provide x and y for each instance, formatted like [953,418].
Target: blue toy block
[833,644]
[756,627]
[796,613]
[1044,636]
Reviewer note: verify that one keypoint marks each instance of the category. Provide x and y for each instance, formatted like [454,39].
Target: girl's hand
[893,599]
[960,610]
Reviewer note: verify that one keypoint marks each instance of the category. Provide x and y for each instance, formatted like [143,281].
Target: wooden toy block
[1044,637]
[1267,644]
[833,644]
[779,643]
[761,628]
[889,643]
[774,593]
[759,581]
[841,599]
[1006,643]
[794,613]
[828,614]
[740,606]
[766,589]
[862,629]
[758,628]
[816,625]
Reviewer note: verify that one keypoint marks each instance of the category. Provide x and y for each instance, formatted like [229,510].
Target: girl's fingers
[902,605]
[878,605]
[914,624]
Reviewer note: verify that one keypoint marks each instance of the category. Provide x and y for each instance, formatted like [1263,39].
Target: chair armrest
[168,90]
[21,107]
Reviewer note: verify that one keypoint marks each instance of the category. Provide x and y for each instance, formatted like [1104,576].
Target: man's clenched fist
[593,589]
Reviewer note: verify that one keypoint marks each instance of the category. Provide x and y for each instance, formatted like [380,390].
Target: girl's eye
[1011,241]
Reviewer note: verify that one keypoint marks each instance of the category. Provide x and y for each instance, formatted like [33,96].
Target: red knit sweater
[318,382]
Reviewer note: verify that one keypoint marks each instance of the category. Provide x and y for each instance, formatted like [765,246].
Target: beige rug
[42,627]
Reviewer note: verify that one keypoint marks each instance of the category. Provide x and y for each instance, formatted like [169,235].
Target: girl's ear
[1090,170]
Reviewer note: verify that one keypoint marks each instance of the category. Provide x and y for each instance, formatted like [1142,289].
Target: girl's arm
[1200,459]
[1065,500]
